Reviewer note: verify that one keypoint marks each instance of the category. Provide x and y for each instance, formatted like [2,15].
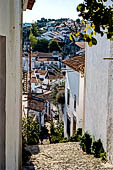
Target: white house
[99,93]
[74,95]
[10,84]
[46,59]
[25,62]
[98,118]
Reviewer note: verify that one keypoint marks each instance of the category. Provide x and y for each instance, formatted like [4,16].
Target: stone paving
[63,156]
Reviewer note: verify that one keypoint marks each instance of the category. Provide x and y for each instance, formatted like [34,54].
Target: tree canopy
[42,45]
[34,30]
[54,46]
[33,40]
[98,17]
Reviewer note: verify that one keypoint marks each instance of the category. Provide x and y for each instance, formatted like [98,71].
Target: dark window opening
[68,126]
[75,102]
[68,96]
[74,124]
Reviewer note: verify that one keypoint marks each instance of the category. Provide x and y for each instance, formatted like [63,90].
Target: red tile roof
[77,63]
[45,59]
[30,4]
[41,54]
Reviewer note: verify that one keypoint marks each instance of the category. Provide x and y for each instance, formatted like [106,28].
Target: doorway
[2,101]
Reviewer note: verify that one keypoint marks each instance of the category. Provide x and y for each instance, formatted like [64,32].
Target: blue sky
[52,9]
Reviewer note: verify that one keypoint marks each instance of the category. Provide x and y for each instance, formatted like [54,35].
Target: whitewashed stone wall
[75,84]
[10,26]
[99,93]
[110,108]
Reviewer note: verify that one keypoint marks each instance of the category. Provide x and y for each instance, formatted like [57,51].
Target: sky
[52,9]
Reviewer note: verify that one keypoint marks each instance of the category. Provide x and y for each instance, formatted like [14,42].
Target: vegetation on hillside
[54,46]
[58,94]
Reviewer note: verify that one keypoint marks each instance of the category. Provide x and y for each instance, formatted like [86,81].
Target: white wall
[25,61]
[10,26]
[75,83]
[24,105]
[38,63]
[99,92]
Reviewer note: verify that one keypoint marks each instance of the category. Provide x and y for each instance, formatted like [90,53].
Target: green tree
[34,30]
[54,91]
[33,41]
[98,17]
[30,131]
[54,46]
[60,97]
[42,45]
[78,21]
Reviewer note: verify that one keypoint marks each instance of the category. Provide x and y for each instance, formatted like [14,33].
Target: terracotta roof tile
[30,4]
[41,54]
[41,72]
[80,44]
[45,59]
[77,63]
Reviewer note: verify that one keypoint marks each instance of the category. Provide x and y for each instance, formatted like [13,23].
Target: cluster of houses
[88,89]
[46,69]
[43,66]
[53,31]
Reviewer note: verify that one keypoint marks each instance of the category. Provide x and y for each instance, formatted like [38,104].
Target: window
[68,96]
[74,124]
[68,125]
[75,102]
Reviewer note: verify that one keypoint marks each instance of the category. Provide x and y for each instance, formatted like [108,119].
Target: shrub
[60,97]
[77,136]
[103,156]
[73,138]
[86,143]
[79,131]
[30,136]
[64,140]
[55,139]
[97,148]
[30,131]
[52,129]
[57,133]
[60,130]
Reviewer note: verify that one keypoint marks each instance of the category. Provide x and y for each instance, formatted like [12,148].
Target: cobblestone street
[63,156]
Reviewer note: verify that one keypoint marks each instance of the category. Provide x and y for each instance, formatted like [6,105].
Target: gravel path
[63,156]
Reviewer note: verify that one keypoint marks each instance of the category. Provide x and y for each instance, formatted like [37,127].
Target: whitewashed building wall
[75,84]
[10,27]
[99,93]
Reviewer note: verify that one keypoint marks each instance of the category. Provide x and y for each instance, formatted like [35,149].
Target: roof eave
[28,4]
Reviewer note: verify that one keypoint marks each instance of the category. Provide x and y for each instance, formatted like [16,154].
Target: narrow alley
[63,156]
